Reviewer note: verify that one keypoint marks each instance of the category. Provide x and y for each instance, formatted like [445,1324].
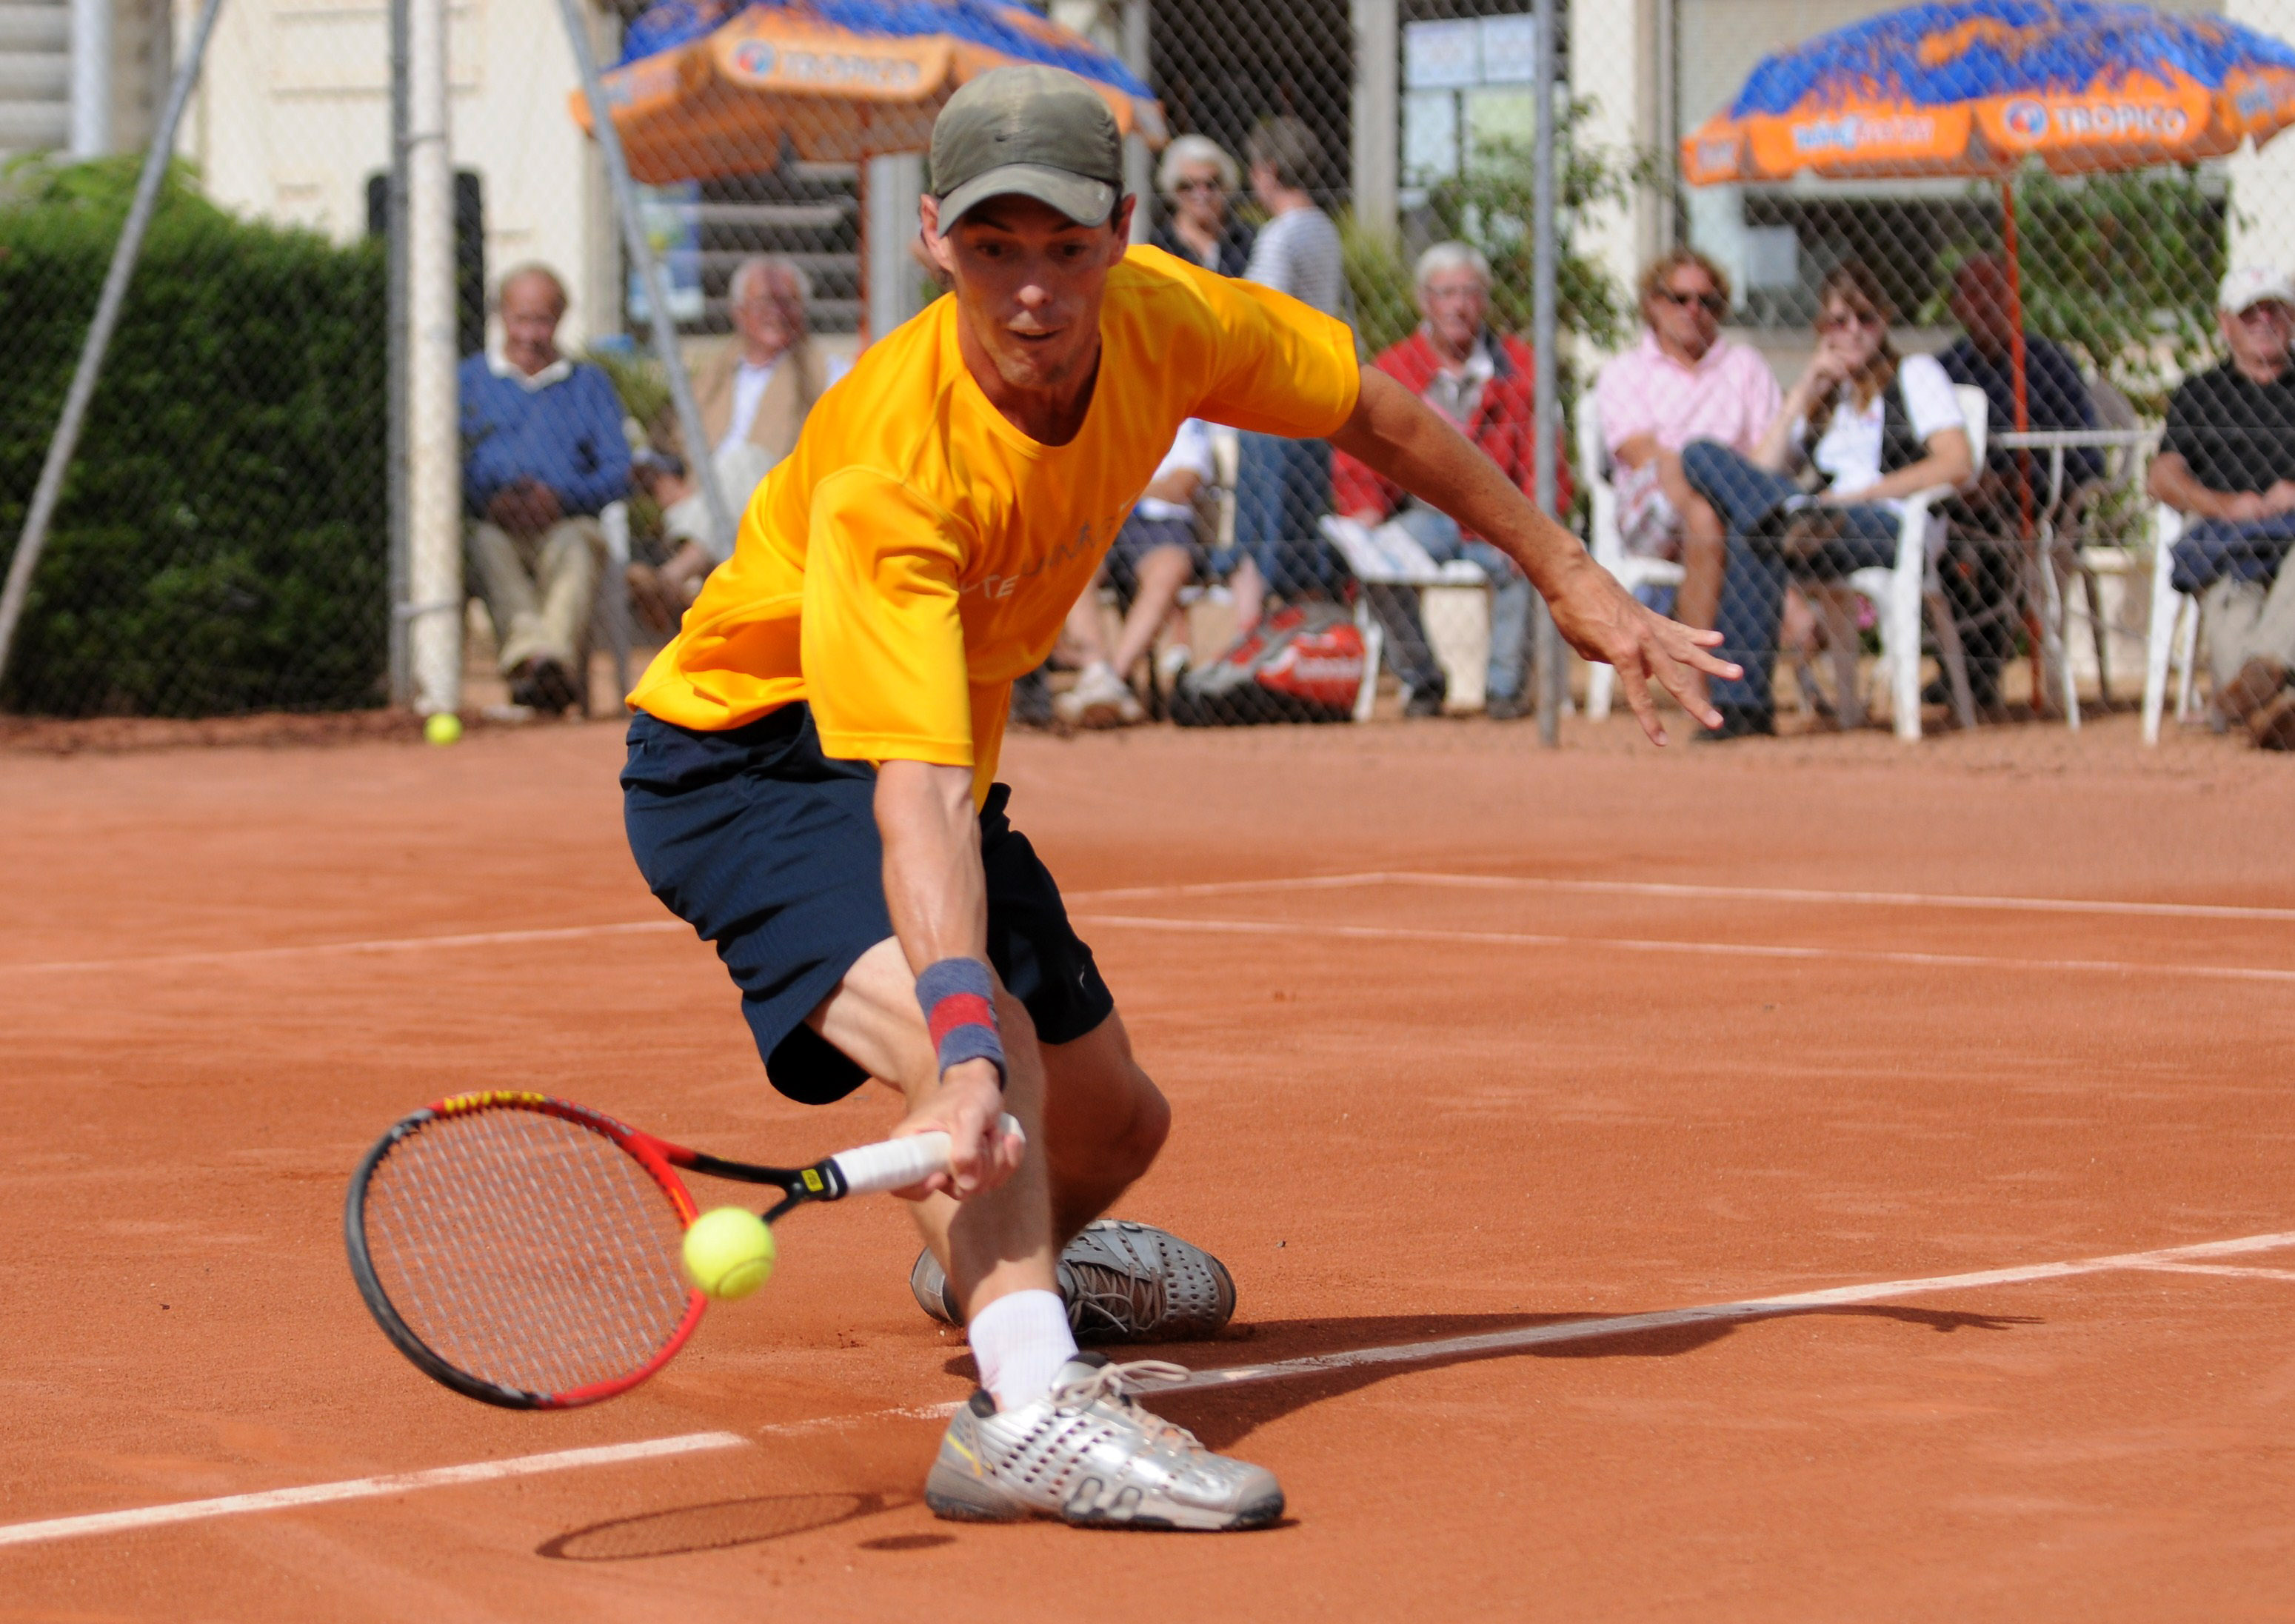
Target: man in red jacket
[1484,385]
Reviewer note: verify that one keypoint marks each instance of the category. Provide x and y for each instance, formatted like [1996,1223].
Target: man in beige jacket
[753,397]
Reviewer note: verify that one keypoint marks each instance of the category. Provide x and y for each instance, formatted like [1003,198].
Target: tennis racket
[523,1250]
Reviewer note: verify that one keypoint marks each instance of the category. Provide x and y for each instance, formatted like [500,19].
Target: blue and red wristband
[958,999]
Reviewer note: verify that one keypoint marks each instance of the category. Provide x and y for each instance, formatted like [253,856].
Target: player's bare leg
[1102,1122]
[998,1242]
[1078,1449]
[1098,1123]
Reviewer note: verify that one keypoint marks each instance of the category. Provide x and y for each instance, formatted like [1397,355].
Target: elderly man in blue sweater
[544,453]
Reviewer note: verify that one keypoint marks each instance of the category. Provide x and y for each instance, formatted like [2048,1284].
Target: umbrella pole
[2026,532]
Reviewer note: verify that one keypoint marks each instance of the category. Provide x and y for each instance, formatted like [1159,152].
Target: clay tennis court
[1554,1048]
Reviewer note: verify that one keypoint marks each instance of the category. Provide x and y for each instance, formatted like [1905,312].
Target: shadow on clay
[722,1525]
[1221,1415]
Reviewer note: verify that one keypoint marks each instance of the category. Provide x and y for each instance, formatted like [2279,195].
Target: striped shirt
[1298,254]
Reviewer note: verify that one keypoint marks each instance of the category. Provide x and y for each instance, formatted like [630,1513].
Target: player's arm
[938,898]
[1396,434]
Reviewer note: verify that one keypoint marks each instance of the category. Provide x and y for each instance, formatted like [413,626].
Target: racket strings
[526,1250]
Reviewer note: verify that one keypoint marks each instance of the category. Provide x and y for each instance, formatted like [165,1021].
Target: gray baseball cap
[1028,132]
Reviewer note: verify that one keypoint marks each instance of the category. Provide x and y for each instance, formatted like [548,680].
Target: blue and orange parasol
[711,91]
[1981,87]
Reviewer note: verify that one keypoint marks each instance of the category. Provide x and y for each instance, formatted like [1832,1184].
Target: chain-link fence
[219,542]
[1962,262]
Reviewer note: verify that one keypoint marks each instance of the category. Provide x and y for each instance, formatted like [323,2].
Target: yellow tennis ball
[444,727]
[728,1253]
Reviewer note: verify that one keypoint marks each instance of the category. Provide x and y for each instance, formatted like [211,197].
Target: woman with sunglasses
[1196,177]
[1823,493]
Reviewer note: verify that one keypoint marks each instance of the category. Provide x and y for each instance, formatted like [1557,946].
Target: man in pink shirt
[1684,381]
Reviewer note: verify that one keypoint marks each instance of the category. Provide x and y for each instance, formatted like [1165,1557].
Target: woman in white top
[1824,493]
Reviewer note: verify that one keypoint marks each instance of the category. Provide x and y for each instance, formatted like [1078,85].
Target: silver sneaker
[1087,1454]
[1123,1281]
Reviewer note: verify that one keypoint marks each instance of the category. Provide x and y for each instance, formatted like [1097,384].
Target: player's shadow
[717,1526]
[1222,1416]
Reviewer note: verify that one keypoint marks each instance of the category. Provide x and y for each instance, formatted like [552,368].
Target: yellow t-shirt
[916,552]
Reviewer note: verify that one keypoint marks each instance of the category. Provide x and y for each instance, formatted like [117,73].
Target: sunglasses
[1848,319]
[1711,303]
[1198,186]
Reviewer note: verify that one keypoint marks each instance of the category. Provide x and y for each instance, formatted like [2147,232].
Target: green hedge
[222,544]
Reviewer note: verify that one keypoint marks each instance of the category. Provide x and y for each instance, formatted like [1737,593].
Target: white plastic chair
[1608,545]
[2173,637]
[1898,595]
[2076,554]
[1388,556]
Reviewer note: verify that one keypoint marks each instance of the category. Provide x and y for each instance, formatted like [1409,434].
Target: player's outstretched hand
[969,1107]
[1603,622]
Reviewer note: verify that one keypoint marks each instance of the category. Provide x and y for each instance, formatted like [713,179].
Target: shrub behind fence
[221,545]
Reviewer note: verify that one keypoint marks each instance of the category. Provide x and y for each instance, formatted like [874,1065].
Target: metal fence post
[433,612]
[402,681]
[1553,687]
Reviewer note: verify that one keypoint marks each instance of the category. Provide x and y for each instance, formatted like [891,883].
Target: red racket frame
[659,1157]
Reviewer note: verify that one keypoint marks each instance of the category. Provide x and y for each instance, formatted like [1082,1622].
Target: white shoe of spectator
[1100,699]
[1173,663]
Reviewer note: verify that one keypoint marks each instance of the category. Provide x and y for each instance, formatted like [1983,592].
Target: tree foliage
[2120,269]
[1490,206]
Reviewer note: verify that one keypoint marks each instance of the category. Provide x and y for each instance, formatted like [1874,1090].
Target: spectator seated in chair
[754,398]
[2227,461]
[1485,385]
[544,455]
[1871,428]
[1982,578]
[1156,554]
[1684,381]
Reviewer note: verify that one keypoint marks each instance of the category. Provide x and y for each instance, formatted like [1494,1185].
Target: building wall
[293,116]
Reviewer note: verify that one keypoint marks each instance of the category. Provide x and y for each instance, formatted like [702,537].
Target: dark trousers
[1282,490]
[1753,504]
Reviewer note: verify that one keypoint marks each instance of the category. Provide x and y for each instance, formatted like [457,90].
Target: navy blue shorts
[769,849]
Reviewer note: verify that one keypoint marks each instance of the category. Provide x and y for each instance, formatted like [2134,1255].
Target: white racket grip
[894,1164]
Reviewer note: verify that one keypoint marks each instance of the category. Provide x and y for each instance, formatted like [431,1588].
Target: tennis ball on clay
[443,729]
[728,1253]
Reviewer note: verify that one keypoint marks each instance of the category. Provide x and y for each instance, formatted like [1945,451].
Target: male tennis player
[812,770]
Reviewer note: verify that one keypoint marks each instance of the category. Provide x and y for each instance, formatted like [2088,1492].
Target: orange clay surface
[1406,1110]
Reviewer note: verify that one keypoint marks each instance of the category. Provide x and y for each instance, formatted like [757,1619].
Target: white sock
[1020,1341]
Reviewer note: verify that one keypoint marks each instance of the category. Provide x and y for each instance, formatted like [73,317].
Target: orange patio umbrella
[836,81]
[1981,87]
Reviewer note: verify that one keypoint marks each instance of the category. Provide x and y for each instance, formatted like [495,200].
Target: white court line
[1728,950]
[1762,894]
[1318,882]
[2166,1258]
[2222,1269]
[365,1487]
[1763,1308]
[383,945]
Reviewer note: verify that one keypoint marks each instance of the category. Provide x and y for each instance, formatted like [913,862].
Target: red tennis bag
[1302,664]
